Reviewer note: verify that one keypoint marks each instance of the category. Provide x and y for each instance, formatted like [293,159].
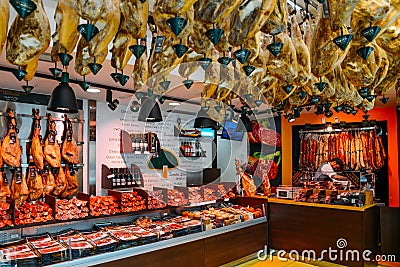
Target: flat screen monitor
[229,131]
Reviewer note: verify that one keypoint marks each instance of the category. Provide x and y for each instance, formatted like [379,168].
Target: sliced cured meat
[96,236]
[44,244]
[54,249]
[21,255]
[105,241]
[81,245]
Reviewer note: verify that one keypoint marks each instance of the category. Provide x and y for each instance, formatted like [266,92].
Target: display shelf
[134,251]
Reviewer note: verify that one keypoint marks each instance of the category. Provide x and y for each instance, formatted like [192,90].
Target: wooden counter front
[307,226]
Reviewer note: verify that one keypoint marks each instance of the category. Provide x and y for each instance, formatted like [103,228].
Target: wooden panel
[390,231]
[225,248]
[189,254]
[304,228]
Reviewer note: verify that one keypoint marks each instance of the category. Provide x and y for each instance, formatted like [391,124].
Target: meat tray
[177,197]
[51,255]
[80,247]
[72,209]
[101,240]
[125,237]
[18,253]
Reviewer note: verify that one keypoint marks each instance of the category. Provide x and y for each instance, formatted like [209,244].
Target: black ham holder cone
[180,49]
[88,31]
[343,41]
[258,102]
[84,85]
[19,74]
[115,75]
[365,51]
[302,94]
[188,83]
[65,58]
[94,67]
[384,100]
[371,32]
[204,62]
[123,79]
[242,55]
[215,35]
[321,85]
[176,24]
[165,85]
[56,72]
[370,97]
[23,7]
[275,48]
[288,88]
[224,61]
[137,50]
[315,99]
[248,69]
[27,88]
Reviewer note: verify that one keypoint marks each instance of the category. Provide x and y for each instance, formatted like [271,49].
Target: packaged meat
[53,249]
[71,209]
[81,245]
[14,249]
[44,244]
[105,241]
[156,200]
[123,235]
[132,202]
[96,236]
[103,205]
[176,198]
[35,212]
[74,238]
[20,255]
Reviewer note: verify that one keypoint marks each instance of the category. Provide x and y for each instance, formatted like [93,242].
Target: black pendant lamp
[149,110]
[244,124]
[63,97]
[203,120]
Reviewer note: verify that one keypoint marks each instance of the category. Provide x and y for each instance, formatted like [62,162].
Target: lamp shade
[244,124]
[63,97]
[149,111]
[204,121]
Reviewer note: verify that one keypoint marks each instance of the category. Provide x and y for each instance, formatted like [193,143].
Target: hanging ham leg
[69,149]
[48,180]
[36,149]
[19,188]
[28,38]
[5,13]
[11,150]
[61,182]
[72,182]
[5,190]
[51,148]
[34,181]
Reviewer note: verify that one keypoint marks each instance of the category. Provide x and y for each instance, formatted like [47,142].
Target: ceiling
[45,86]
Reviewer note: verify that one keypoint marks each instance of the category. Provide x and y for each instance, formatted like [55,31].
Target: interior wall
[227,152]
[379,114]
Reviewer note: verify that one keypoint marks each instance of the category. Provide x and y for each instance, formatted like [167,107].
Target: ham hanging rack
[339,130]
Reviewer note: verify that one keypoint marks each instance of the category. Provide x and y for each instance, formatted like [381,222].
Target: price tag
[226,199]
[353,201]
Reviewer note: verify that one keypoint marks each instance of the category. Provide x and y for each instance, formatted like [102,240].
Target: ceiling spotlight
[135,106]
[329,127]
[150,110]
[63,97]
[203,120]
[109,96]
[296,112]
[113,105]
[328,113]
